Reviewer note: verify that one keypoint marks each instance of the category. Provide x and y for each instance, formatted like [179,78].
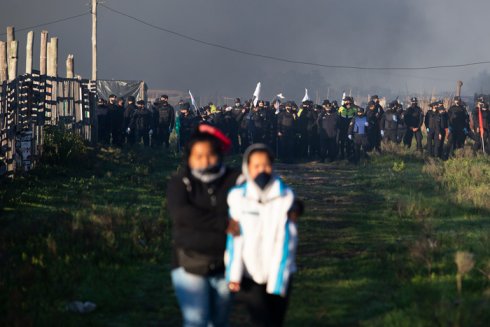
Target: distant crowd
[327,132]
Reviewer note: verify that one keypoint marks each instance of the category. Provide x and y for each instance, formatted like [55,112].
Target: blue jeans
[204,301]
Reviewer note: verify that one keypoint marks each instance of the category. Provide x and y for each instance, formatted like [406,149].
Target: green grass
[377,243]
[93,231]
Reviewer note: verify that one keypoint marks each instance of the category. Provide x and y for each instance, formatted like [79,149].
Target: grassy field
[377,244]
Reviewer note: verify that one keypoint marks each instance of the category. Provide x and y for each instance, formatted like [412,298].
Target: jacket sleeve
[421,118]
[382,122]
[282,263]
[234,245]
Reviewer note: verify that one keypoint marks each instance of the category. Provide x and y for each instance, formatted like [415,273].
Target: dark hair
[267,151]
[203,137]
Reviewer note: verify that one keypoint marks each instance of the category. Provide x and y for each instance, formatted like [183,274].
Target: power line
[49,23]
[287,60]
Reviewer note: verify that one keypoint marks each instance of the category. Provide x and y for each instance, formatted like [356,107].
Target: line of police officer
[325,132]
[135,122]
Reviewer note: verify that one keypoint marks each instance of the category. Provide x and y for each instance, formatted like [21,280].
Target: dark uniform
[328,127]
[236,112]
[242,118]
[116,117]
[402,127]
[358,133]
[229,126]
[257,124]
[435,124]
[103,123]
[373,115]
[128,117]
[389,123]
[459,121]
[286,120]
[187,124]
[414,118]
[164,122]
[141,123]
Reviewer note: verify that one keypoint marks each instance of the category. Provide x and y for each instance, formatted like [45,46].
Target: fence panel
[33,101]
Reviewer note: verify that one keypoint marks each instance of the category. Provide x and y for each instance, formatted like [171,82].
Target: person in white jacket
[262,239]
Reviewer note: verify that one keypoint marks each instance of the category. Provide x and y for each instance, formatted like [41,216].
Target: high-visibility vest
[347,112]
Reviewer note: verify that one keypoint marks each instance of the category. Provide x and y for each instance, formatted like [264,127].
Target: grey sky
[343,32]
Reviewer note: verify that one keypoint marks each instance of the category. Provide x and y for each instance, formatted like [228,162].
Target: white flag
[280,96]
[256,95]
[306,97]
[193,101]
[343,97]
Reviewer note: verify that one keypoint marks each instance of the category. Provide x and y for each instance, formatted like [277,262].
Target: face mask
[209,174]
[262,180]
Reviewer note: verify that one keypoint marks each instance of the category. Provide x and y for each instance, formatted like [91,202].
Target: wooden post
[459,85]
[13,60]
[70,67]
[3,61]
[94,40]
[10,38]
[44,53]
[53,57]
[30,41]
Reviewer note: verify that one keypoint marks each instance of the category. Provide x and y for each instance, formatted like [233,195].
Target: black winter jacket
[199,213]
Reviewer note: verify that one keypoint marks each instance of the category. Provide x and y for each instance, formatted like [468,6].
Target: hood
[246,155]
[272,190]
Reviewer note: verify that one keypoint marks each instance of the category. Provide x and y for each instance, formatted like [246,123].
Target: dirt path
[340,248]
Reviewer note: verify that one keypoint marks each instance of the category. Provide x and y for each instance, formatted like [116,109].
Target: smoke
[371,33]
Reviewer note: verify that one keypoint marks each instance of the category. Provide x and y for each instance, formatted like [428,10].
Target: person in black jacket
[432,124]
[141,123]
[128,116]
[443,127]
[188,123]
[103,127]
[116,117]
[414,118]
[196,201]
[164,122]
[257,123]
[230,128]
[459,121]
[389,123]
[373,114]
[328,127]
[286,120]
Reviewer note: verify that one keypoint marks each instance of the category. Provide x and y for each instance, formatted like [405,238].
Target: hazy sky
[338,32]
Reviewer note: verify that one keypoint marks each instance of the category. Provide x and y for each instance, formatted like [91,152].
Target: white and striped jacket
[265,250]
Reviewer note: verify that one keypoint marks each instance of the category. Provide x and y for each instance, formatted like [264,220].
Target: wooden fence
[32,101]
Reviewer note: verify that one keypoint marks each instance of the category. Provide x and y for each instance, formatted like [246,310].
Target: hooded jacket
[265,250]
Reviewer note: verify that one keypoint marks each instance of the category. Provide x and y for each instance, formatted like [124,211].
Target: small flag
[306,97]
[256,95]
[193,101]
[280,96]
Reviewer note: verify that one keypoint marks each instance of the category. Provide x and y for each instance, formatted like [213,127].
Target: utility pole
[94,40]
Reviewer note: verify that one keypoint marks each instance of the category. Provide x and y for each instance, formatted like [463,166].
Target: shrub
[62,146]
